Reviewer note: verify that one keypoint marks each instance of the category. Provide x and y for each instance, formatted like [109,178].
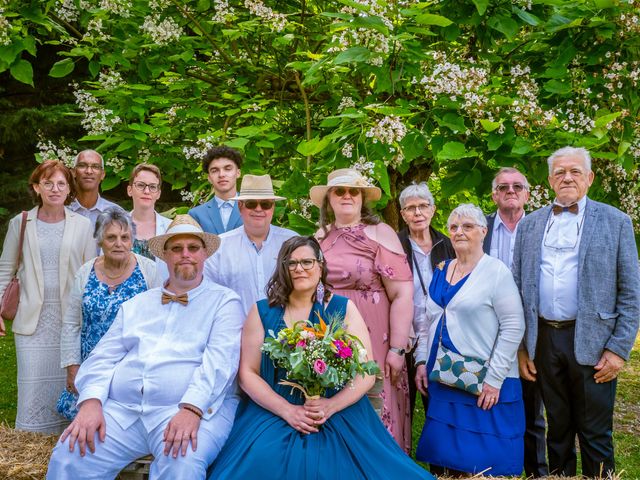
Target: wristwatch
[397,351]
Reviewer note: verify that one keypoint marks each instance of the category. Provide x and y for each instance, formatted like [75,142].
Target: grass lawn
[627,414]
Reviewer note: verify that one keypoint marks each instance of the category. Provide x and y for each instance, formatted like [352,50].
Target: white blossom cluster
[396,158]
[198,152]
[118,7]
[616,180]
[634,149]
[574,120]
[629,23]
[254,107]
[66,10]
[159,5]
[305,208]
[365,168]
[277,21]
[346,102]
[539,198]
[50,151]
[375,41]
[96,118]
[95,31]
[526,4]
[116,164]
[452,79]
[389,130]
[110,80]
[144,155]
[187,196]
[525,110]
[519,71]
[162,32]
[381,10]
[347,150]
[224,12]
[173,111]
[5,28]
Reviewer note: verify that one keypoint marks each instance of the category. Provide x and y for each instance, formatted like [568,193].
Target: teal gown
[352,444]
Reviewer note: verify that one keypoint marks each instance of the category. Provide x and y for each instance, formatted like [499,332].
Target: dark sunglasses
[341,191]
[264,204]
[504,187]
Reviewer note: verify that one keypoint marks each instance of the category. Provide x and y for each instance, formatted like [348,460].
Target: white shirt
[155,357]
[92,213]
[559,265]
[503,240]
[422,263]
[225,207]
[240,266]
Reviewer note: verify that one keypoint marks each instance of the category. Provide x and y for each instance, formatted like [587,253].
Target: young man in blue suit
[220,214]
[576,265]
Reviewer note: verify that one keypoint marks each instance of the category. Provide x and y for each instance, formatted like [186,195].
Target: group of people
[159,326]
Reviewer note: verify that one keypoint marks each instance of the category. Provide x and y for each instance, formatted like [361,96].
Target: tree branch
[76,33]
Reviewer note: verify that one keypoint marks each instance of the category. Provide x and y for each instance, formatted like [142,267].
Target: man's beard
[185,272]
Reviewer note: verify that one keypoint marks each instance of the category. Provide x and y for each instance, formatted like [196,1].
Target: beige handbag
[11,295]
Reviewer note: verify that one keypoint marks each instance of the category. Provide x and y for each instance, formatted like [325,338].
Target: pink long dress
[356,266]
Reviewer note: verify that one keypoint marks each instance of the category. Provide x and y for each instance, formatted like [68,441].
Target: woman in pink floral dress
[367,264]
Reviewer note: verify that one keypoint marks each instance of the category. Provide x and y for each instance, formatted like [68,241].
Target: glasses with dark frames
[305,263]
[140,186]
[504,187]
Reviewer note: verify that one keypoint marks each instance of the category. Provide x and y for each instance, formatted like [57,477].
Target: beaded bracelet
[192,410]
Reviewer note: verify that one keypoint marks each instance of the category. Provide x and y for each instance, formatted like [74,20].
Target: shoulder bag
[11,295]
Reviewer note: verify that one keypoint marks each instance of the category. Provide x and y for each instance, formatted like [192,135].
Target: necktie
[558,209]
[181,299]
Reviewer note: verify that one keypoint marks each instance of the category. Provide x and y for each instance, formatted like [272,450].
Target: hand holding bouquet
[318,357]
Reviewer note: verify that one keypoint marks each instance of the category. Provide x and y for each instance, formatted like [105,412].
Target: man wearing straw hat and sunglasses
[247,256]
[162,379]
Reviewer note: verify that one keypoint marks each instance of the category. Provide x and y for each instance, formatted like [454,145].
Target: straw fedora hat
[257,187]
[345,177]
[184,225]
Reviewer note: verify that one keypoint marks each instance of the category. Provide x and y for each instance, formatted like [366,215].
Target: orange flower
[319,330]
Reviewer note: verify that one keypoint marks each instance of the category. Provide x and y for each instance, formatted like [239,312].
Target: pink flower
[345,352]
[319,366]
[301,343]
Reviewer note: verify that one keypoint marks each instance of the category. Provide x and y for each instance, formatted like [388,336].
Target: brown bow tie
[558,209]
[181,299]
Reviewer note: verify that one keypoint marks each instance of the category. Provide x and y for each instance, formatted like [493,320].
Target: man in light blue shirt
[220,214]
[247,257]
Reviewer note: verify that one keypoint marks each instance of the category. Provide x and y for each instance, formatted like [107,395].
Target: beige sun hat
[184,225]
[345,177]
[257,187]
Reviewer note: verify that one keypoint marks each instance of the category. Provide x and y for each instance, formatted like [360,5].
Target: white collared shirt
[240,266]
[225,207]
[155,357]
[422,262]
[503,240]
[92,213]
[559,265]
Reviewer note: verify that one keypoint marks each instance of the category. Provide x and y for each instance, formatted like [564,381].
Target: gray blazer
[608,281]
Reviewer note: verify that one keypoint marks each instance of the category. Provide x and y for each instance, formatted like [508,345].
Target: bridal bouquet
[318,357]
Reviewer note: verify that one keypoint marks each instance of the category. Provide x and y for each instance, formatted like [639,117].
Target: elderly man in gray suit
[576,264]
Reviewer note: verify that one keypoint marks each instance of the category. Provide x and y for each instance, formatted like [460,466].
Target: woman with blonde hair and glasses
[57,242]
[366,263]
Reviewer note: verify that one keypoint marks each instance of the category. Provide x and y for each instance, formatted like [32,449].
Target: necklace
[122,271]
[347,225]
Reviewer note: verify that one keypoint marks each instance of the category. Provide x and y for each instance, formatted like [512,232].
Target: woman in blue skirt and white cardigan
[475,310]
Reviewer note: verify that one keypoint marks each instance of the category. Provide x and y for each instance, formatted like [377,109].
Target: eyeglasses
[89,166]
[557,243]
[178,249]
[48,186]
[140,186]
[414,209]
[466,227]
[342,191]
[505,187]
[264,204]
[305,263]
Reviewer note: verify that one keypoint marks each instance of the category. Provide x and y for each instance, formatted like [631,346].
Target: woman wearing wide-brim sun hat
[367,264]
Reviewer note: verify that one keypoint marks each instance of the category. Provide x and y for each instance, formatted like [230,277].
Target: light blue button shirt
[225,207]
[240,266]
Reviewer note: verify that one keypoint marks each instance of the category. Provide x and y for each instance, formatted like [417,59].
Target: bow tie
[558,209]
[181,299]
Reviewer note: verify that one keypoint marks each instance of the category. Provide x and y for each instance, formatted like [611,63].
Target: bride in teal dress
[276,434]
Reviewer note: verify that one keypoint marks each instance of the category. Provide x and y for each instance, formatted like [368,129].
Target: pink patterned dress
[356,265]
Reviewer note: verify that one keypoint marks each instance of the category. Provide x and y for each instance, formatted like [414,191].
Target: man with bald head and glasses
[576,265]
[510,193]
[247,256]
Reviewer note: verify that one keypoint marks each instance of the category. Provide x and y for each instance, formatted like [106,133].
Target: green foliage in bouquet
[318,357]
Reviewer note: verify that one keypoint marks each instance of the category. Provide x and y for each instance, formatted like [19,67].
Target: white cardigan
[72,321]
[487,306]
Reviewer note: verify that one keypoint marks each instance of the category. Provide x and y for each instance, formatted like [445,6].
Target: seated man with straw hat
[162,379]
[247,257]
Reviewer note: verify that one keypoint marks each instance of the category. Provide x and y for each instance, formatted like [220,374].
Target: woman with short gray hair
[480,332]
[425,248]
[100,287]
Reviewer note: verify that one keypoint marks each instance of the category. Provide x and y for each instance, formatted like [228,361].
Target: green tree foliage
[403,90]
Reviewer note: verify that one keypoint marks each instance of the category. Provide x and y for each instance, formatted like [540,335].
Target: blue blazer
[208,216]
[608,281]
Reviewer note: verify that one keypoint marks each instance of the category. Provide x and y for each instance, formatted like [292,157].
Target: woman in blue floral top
[101,286]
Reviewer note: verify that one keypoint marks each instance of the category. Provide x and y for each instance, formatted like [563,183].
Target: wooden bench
[138,470]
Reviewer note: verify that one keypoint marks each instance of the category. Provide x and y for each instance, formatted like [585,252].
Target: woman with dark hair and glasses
[144,187]
[366,263]
[57,241]
[277,434]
